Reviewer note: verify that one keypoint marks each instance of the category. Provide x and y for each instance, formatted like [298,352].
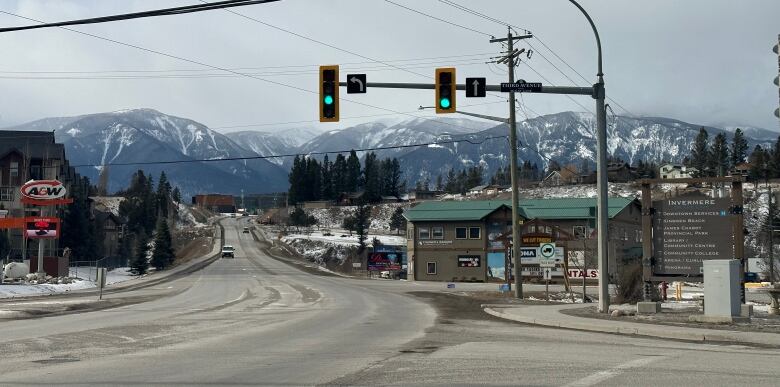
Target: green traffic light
[444,103]
[328,100]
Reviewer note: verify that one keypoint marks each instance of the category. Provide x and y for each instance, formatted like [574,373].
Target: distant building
[741,169]
[215,203]
[420,195]
[676,171]
[105,213]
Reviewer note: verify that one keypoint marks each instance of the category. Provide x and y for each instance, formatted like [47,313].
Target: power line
[439,19]
[483,140]
[312,66]
[218,68]
[137,15]
[129,76]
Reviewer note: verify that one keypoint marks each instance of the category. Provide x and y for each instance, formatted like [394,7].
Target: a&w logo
[43,189]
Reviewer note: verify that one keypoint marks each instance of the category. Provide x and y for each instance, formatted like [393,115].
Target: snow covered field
[86,280]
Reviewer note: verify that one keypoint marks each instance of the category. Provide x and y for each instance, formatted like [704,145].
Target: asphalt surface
[254,320]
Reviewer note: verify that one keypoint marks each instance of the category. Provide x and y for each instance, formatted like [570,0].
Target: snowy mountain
[141,135]
[566,137]
[274,143]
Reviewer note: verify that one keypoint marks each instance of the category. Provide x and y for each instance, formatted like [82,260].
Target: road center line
[601,376]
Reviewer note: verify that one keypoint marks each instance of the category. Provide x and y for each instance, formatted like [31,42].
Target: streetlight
[601,174]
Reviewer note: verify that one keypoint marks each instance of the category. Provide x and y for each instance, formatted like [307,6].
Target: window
[638,235]
[6,194]
[460,233]
[14,169]
[424,233]
[579,232]
[35,172]
[625,234]
[431,268]
[475,233]
[437,232]
[410,233]
[532,229]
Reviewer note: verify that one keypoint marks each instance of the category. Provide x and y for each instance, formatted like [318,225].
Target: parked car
[228,251]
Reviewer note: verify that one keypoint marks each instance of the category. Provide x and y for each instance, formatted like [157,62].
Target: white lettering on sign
[43,189]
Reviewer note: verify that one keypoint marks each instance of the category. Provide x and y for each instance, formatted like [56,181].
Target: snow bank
[333,217]
[80,278]
[322,249]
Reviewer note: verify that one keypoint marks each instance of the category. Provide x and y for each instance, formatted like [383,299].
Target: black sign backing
[356,83]
[521,86]
[475,87]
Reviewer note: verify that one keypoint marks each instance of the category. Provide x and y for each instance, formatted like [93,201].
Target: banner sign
[468,260]
[42,227]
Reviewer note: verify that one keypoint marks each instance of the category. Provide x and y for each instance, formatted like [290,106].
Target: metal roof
[453,210]
[561,208]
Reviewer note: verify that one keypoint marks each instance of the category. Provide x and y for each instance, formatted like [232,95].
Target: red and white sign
[42,227]
[589,274]
[43,190]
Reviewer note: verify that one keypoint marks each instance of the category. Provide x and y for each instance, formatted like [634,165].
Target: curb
[710,336]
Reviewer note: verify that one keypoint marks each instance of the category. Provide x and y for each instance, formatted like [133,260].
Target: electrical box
[721,287]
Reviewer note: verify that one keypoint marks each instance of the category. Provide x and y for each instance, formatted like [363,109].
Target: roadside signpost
[547,255]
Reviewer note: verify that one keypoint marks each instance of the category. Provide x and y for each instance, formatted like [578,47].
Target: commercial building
[467,241]
[215,203]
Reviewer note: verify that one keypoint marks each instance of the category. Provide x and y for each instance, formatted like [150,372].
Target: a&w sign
[43,190]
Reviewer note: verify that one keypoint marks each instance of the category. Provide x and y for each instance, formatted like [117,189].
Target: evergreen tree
[297,181]
[390,177]
[774,160]
[372,182]
[758,164]
[140,264]
[77,225]
[451,186]
[739,148]
[348,224]
[474,176]
[700,153]
[397,221]
[313,180]
[353,172]
[553,166]
[298,218]
[339,175]
[327,179]
[176,195]
[362,222]
[719,156]
[163,195]
[163,254]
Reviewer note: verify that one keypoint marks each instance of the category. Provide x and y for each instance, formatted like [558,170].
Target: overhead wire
[369,149]
[161,53]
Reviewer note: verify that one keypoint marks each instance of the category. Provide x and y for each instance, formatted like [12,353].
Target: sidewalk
[551,316]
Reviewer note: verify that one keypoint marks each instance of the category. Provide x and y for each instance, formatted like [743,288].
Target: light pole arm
[595,32]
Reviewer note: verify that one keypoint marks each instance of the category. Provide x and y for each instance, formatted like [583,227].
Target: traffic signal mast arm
[591,91]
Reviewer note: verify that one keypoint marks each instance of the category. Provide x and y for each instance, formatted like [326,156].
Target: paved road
[253,320]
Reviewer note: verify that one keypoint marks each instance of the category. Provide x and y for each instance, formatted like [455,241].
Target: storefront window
[431,268]
[437,232]
[475,233]
[460,233]
[424,233]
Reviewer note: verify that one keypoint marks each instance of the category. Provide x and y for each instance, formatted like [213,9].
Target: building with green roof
[466,240]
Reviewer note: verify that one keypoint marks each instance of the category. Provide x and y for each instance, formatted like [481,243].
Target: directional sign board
[547,272]
[521,86]
[475,87]
[356,83]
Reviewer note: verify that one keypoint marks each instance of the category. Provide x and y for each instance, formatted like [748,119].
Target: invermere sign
[43,190]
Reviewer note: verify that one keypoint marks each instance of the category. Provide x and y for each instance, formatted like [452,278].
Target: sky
[707,62]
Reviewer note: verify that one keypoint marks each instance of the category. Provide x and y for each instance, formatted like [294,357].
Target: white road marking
[601,376]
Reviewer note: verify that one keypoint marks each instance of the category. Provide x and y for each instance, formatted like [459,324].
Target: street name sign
[521,86]
[475,87]
[356,83]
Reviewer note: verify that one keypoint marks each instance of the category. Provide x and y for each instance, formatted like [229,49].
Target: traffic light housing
[445,90]
[329,93]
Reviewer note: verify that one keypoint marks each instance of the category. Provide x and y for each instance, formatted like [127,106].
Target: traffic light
[329,93]
[445,90]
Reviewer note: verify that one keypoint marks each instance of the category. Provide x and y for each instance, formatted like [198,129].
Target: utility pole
[511,62]
[771,229]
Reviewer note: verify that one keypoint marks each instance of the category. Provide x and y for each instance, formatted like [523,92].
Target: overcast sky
[701,61]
